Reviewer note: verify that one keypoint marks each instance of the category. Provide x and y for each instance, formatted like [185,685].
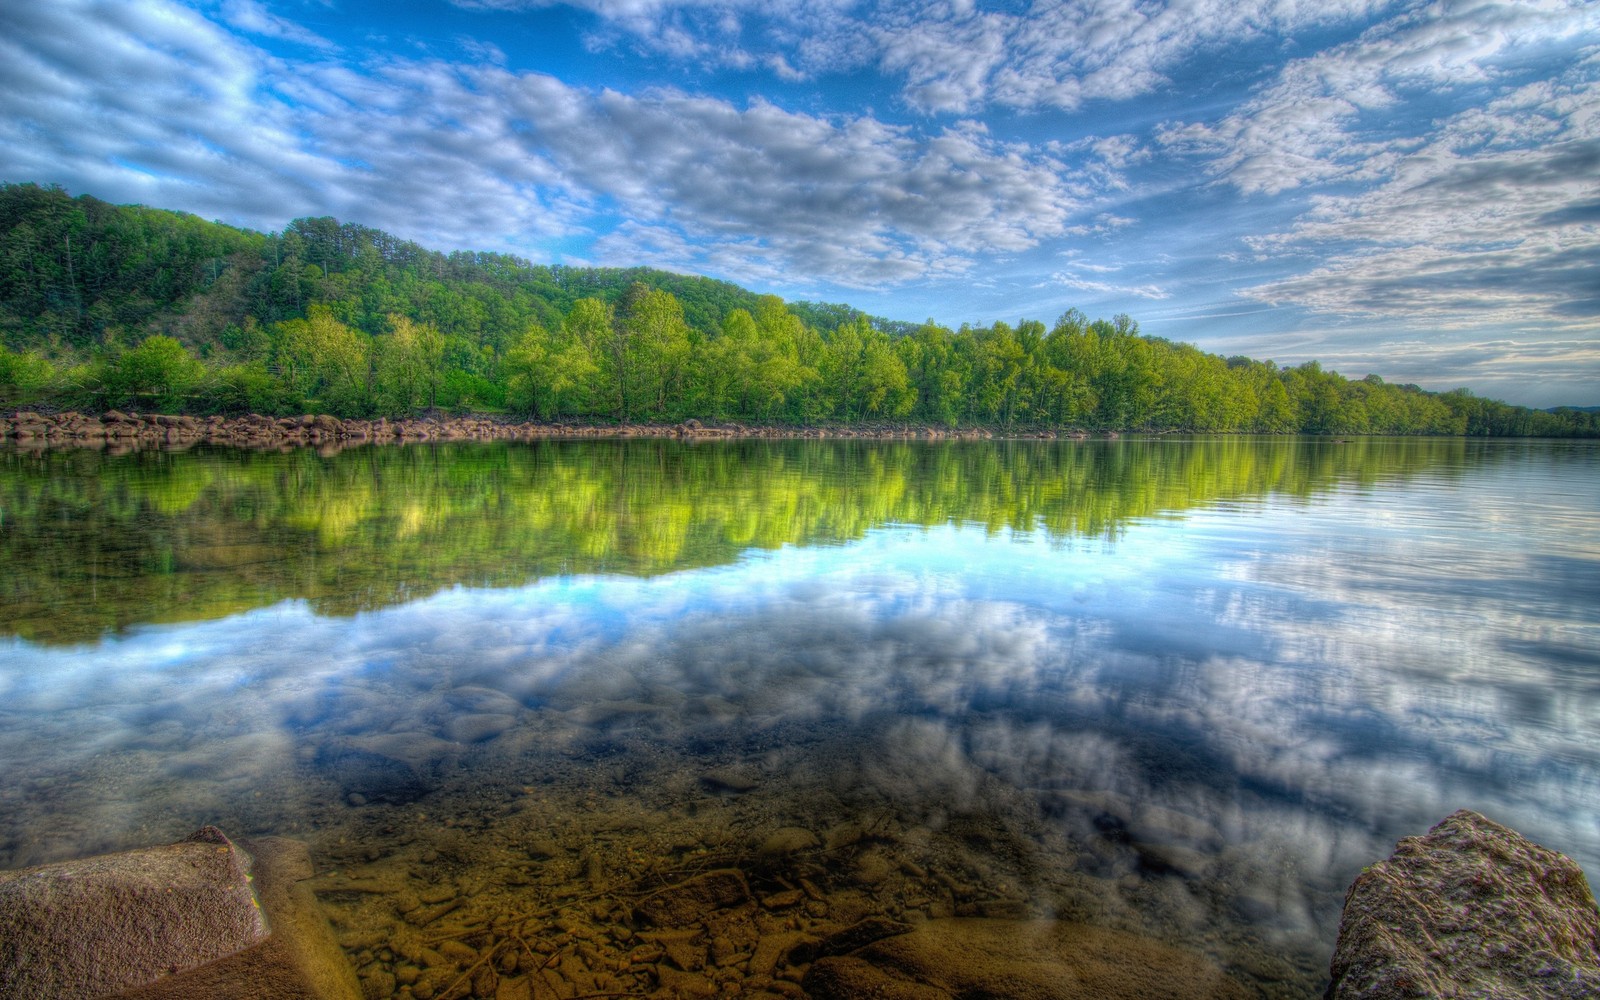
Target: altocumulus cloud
[954,55]
[1482,216]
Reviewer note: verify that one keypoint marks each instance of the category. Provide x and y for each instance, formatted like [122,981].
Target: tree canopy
[104,305]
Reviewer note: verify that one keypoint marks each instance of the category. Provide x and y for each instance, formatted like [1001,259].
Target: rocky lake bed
[755,878]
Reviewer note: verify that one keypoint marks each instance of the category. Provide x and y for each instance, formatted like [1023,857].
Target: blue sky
[1405,188]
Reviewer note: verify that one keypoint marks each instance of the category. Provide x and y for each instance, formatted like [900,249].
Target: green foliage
[410,367]
[650,354]
[327,363]
[23,376]
[251,388]
[158,374]
[338,317]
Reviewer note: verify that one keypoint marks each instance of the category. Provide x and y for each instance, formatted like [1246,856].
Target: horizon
[1398,189]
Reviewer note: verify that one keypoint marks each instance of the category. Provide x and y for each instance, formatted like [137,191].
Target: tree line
[105,306]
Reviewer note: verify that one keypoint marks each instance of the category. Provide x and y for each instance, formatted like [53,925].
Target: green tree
[24,376]
[327,362]
[594,354]
[159,371]
[840,370]
[250,388]
[410,366]
[886,389]
[654,351]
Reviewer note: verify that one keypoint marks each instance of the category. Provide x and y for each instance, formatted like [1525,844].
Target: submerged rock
[1036,960]
[689,901]
[733,778]
[375,777]
[785,841]
[478,728]
[1471,910]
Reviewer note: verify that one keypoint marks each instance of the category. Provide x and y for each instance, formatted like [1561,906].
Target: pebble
[377,985]
[458,952]
[540,848]
[787,840]
[681,947]
[432,958]
[872,868]
[514,989]
[774,948]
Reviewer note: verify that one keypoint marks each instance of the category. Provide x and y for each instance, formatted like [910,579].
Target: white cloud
[1466,229]
[249,16]
[1071,276]
[1465,196]
[1102,224]
[150,103]
[954,57]
[853,199]
[1309,125]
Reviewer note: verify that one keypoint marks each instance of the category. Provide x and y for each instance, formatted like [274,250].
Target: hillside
[126,306]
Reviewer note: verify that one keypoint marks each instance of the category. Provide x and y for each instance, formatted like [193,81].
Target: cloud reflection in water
[1250,702]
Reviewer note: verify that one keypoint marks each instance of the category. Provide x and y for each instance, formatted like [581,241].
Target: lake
[515,696]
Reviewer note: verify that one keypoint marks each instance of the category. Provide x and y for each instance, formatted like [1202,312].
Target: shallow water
[1184,689]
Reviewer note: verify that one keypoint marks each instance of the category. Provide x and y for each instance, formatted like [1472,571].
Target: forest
[105,306]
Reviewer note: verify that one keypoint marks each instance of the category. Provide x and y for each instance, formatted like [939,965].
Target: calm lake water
[1181,689]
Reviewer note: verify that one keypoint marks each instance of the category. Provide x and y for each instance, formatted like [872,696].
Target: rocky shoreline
[127,431]
[1469,910]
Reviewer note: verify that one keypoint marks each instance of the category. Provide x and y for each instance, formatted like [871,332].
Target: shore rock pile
[127,431]
[1471,910]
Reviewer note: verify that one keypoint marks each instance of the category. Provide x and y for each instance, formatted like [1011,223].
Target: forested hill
[107,306]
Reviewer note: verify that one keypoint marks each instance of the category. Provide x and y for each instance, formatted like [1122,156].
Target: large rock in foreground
[1471,911]
[102,925]
[196,920]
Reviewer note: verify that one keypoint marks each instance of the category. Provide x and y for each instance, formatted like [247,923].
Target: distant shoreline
[115,429]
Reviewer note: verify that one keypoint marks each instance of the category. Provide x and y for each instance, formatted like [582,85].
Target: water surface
[1185,689]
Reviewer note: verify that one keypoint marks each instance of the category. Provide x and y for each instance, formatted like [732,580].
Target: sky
[1410,189]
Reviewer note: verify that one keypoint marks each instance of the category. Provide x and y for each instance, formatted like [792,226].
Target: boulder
[1471,910]
[99,926]
[201,918]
